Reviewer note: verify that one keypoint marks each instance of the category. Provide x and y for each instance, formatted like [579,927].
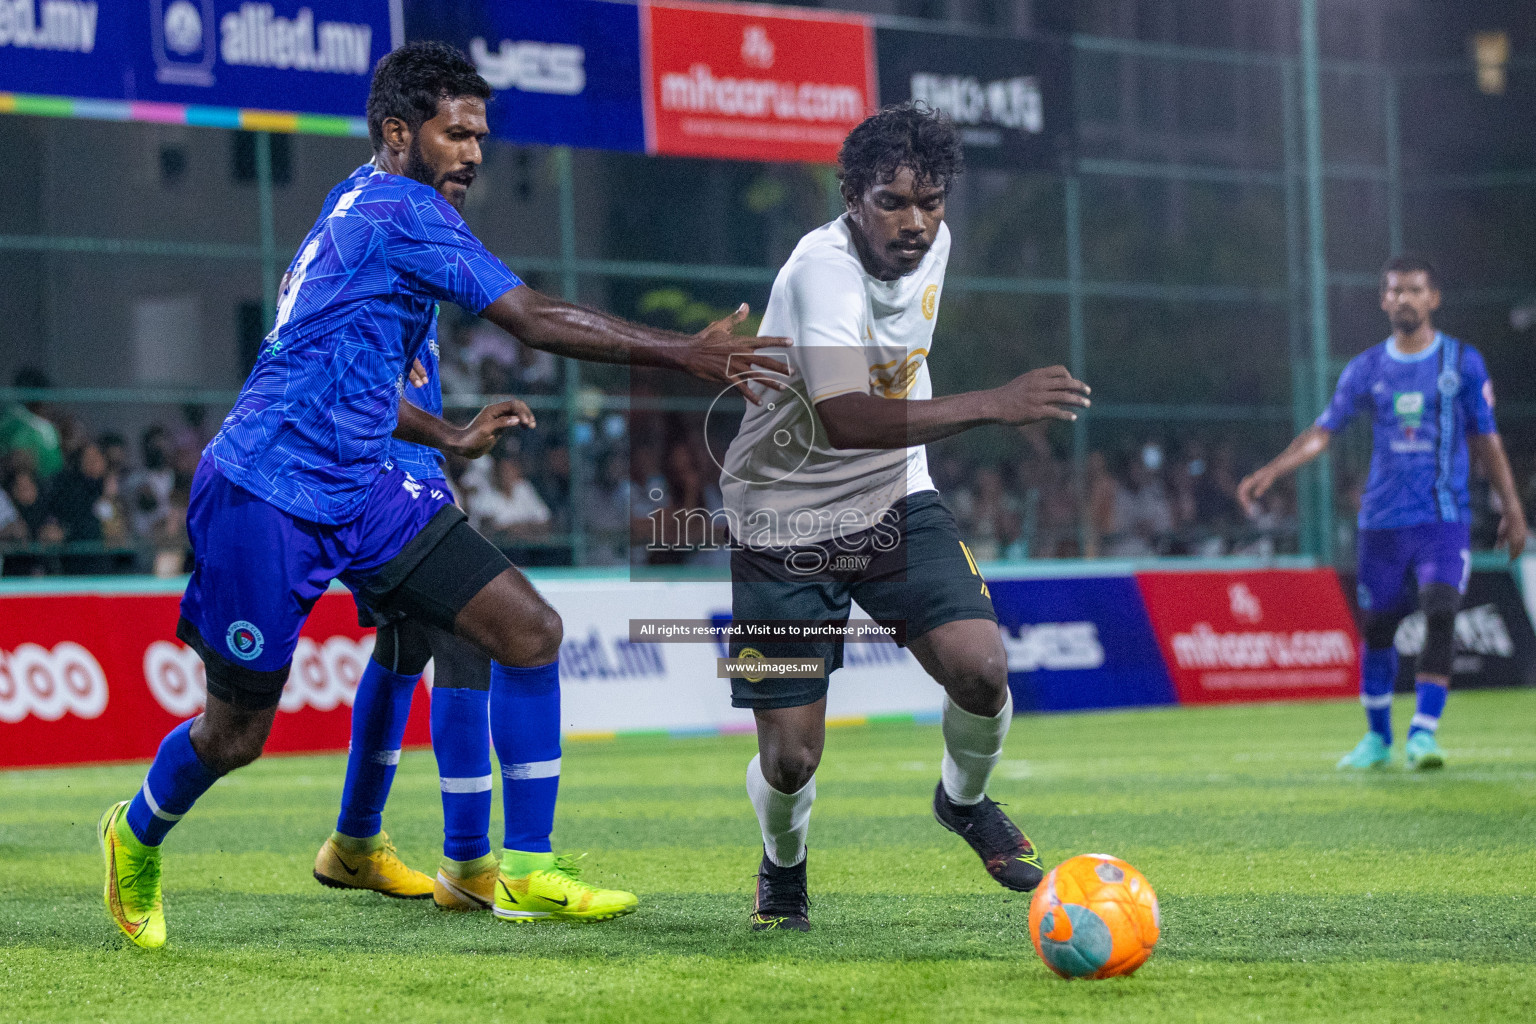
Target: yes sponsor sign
[1010,98]
[1270,634]
[310,56]
[565,73]
[755,83]
[1078,643]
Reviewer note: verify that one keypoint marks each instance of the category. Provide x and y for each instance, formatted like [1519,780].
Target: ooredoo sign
[88,677]
[750,83]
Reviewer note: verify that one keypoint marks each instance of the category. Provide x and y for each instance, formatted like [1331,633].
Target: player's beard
[1406,320]
[417,169]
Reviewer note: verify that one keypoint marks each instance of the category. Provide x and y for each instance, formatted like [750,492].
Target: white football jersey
[783,483]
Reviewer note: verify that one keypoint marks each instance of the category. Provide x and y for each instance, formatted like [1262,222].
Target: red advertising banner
[1269,634]
[96,677]
[744,82]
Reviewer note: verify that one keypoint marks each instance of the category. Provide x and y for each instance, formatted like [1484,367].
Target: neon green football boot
[132,891]
[1371,752]
[543,887]
[1423,752]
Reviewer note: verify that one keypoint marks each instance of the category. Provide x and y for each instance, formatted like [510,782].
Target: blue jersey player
[1431,409]
[353,857]
[298,488]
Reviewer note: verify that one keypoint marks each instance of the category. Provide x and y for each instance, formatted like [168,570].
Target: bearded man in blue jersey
[1431,408]
[298,488]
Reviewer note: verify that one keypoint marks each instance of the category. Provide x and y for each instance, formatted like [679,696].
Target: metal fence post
[268,228]
[1295,310]
[1317,262]
[1394,163]
[1077,356]
[569,290]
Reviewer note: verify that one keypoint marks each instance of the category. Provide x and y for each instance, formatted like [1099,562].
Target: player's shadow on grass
[1424,927]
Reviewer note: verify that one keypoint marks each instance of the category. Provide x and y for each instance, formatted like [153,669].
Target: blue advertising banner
[309,56]
[565,73]
[1079,643]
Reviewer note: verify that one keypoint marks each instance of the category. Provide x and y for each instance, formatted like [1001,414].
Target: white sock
[972,746]
[785,818]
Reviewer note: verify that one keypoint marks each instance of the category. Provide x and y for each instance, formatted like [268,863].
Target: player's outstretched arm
[714,354]
[421,427]
[859,420]
[1488,449]
[1308,445]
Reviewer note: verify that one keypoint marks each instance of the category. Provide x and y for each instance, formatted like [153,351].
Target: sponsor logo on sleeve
[930,301]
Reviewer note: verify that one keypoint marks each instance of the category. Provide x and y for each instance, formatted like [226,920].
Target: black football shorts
[913,573]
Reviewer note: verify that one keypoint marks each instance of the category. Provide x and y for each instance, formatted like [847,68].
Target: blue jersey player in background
[298,489]
[1431,409]
[468,871]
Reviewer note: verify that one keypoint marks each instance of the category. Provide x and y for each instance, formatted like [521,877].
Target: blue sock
[1378,671]
[461,739]
[175,780]
[525,725]
[1426,717]
[379,713]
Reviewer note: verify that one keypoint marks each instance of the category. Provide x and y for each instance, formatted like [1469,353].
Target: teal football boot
[1371,752]
[1423,752]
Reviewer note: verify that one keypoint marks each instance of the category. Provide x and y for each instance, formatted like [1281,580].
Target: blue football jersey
[1422,408]
[312,425]
[420,461]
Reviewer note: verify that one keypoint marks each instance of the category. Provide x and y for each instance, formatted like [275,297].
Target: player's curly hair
[910,134]
[410,82]
[1408,263]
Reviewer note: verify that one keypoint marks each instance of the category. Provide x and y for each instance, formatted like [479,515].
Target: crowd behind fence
[1169,263]
[80,496]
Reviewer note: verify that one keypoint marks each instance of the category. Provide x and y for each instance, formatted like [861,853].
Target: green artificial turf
[1290,892]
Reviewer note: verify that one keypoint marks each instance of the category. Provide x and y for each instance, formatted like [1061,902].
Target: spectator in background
[1203,514]
[11,526]
[1143,511]
[988,515]
[553,483]
[147,490]
[509,510]
[1102,489]
[82,502]
[73,435]
[32,526]
[24,427]
[190,436]
[115,450]
[690,532]
[608,522]
[173,550]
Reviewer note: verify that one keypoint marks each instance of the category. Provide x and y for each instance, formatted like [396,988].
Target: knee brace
[1380,629]
[402,646]
[1439,602]
[457,663]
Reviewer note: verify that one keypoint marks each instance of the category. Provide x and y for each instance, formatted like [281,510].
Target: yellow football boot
[466,885]
[347,863]
[552,891]
[132,891]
